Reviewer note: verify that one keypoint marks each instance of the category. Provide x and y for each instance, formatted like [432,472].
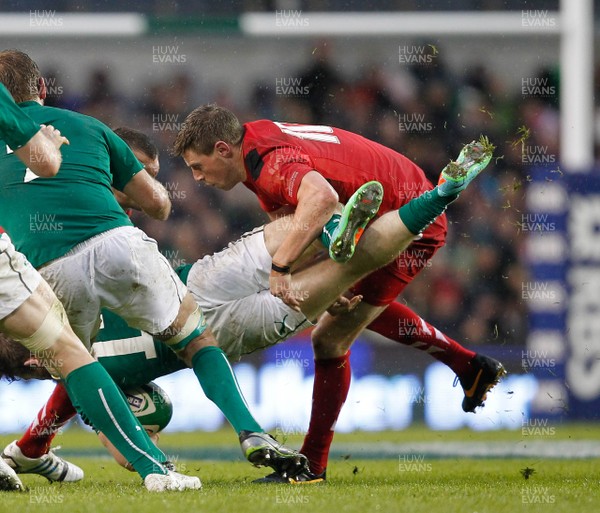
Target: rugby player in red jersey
[306,170]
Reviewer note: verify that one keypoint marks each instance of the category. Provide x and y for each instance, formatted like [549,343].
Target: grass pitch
[405,481]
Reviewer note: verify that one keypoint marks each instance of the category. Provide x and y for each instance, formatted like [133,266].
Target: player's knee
[49,331]
[326,345]
[193,327]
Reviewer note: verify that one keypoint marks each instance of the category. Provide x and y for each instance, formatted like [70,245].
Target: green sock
[329,230]
[420,212]
[219,384]
[97,398]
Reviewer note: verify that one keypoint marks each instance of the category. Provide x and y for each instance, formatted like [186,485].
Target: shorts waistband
[87,243]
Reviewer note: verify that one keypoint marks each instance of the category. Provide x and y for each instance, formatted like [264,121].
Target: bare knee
[334,335]
[327,344]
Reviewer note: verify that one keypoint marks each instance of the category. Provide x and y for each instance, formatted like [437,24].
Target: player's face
[152,166]
[215,169]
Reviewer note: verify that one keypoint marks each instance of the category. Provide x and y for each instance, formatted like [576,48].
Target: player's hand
[281,287]
[344,305]
[124,201]
[54,135]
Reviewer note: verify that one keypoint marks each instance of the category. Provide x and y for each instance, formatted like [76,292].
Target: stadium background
[501,285]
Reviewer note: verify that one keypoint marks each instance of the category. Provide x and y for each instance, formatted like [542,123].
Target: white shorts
[18,278]
[232,288]
[121,270]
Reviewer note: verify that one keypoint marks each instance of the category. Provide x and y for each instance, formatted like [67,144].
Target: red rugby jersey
[278,155]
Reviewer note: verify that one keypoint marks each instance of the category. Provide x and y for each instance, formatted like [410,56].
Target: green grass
[428,485]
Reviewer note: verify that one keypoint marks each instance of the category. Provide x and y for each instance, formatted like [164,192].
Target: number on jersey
[321,133]
[29,174]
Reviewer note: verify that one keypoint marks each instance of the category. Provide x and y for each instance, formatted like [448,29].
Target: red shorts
[383,286]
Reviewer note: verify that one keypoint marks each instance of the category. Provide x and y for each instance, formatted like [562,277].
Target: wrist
[280,269]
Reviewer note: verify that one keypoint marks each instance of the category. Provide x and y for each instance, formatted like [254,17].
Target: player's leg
[40,324]
[146,361]
[162,306]
[31,454]
[119,458]
[220,385]
[477,373]
[201,353]
[398,322]
[331,345]
[324,281]
[92,391]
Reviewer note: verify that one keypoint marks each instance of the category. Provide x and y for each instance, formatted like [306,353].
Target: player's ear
[222,149]
[42,91]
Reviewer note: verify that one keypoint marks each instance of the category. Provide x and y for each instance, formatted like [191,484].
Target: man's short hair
[206,125]
[137,140]
[20,74]
[12,361]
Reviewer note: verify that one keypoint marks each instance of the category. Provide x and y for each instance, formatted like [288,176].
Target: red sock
[400,323]
[330,389]
[57,411]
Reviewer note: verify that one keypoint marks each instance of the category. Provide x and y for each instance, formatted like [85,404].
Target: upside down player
[306,170]
[233,286]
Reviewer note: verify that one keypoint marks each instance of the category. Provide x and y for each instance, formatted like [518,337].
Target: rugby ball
[151,405]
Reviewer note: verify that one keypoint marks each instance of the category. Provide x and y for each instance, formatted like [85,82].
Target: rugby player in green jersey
[73,230]
[32,314]
[38,148]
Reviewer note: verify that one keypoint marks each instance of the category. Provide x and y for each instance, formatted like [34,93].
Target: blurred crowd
[473,289]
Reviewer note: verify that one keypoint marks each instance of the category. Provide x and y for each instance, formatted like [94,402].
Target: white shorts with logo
[18,278]
[232,288]
[121,270]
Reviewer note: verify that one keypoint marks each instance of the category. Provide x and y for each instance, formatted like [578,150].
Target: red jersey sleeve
[281,176]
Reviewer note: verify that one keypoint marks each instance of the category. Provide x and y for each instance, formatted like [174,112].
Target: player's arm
[147,193]
[37,148]
[41,154]
[317,202]
[286,210]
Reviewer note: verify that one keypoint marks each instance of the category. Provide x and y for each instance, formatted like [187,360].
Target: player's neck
[238,158]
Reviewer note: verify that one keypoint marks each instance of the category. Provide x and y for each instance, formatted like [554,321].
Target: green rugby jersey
[16,128]
[46,217]
[131,356]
